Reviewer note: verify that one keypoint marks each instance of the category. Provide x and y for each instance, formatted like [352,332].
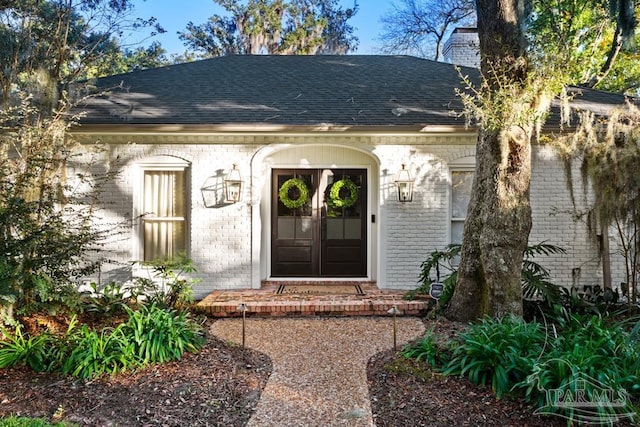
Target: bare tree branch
[419,27]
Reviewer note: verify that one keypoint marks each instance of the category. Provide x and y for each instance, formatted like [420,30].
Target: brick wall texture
[223,240]
[462,49]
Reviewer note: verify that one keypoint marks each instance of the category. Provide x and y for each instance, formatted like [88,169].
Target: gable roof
[267,91]
[315,92]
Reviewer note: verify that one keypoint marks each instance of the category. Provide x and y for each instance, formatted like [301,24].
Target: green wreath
[334,194]
[303,193]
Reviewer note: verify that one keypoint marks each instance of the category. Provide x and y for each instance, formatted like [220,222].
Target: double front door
[319,226]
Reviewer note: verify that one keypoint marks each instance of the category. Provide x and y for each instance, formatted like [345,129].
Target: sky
[174,15]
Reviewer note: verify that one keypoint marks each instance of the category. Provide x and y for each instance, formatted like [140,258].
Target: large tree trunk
[498,222]
[497,229]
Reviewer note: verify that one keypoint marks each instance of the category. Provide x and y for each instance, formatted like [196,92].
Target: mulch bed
[406,393]
[220,385]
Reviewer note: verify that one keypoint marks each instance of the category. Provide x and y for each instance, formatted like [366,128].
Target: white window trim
[156,163]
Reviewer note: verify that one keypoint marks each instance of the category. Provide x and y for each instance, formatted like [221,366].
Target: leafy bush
[95,353]
[150,335]
[113,298]
[590,346]
[175,289]
[497,352]
[579,357]
[535,278]
[20,349]
[428,350]
[437,261]
[160,335]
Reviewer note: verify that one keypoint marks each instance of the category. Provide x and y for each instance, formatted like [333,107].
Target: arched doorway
[319,239]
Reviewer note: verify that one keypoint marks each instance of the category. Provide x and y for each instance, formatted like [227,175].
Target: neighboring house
[175,133]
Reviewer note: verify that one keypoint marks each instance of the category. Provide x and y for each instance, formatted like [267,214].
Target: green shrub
[160,335]
[438,261]
[497,352]
[174,290]
[428,350]
[441,266]
[21,349]
[95,353]
[535,278]
[150,335]
[580,356]
[111,299]
[587,346]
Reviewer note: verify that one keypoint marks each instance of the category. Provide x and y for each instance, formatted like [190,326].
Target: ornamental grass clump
[18,348]
[429,350]
[95,353]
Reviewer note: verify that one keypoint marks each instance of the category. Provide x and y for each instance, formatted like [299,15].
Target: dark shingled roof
[350,91]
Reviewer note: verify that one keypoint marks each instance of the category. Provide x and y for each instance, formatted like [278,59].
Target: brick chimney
[463,48]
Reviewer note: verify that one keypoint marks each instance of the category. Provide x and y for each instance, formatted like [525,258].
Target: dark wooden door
[319,229]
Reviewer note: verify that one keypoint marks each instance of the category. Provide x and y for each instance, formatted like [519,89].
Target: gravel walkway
[319,365]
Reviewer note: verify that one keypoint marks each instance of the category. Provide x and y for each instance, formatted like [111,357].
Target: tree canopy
[274,27]
[47,225]
[590,39]
[62,37]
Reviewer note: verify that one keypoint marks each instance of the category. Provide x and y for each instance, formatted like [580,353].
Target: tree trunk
[496,231]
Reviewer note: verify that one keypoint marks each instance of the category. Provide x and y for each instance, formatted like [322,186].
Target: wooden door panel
[344,228]
[320,238]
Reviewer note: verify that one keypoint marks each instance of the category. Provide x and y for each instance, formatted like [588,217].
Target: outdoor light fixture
[233,185]
[404,183]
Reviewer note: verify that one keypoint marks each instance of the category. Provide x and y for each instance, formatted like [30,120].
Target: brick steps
[265,302]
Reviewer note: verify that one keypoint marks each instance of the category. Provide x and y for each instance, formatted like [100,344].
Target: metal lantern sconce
[404,184]
[233,185]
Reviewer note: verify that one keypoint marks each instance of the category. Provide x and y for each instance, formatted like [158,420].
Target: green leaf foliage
[14,421]
[150,335]
[441,266]
[175,288]
[429,350]
[21,349]
[499,353]
[158,335]
[285,27]
[583,355]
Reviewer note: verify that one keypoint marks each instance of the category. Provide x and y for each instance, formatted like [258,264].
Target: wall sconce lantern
[404,183]
[233,185]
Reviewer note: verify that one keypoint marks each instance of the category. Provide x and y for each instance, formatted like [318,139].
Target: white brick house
[174,133]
